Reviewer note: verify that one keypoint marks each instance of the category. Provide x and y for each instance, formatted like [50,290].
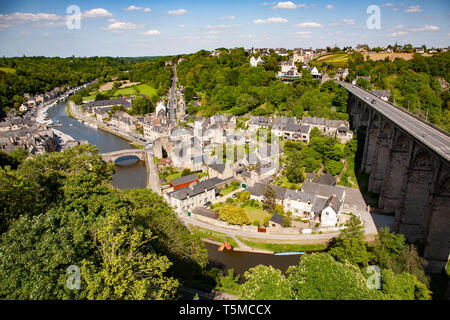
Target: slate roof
[218,167]
[181,180]
[324,122]
[326,179]
[277,219]
[103,103]
[323,190]
[206,213]
[195,190]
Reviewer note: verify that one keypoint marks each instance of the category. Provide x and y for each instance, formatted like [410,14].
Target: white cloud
[414,9]
[29,17]
[181,26]
[270,20]
[303,32]
[213,31]
[348,21]
[399,34]
[151,33]
[425,28]
[97,13]
[389,4]
[224,26]
[133,8]
[285,5]
[136,8]
[119,26]
[330,7]
[334,24]
[177,12]
[309,25]
[228,18]
[399,26]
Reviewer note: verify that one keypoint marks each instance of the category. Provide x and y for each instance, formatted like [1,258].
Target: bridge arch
[112,157]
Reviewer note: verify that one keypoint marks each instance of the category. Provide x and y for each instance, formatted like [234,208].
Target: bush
[234,215]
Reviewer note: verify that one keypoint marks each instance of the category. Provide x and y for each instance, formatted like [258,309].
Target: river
[129,173]
[132,174]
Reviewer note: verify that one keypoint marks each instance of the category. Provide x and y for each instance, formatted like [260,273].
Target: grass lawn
[275,247]
[255,214]
[129,91]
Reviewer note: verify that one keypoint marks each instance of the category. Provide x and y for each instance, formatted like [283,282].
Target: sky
[152,28]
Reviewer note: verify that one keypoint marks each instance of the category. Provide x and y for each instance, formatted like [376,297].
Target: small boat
[224,246]
[288,253]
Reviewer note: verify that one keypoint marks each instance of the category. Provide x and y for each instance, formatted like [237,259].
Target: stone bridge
[111,157]
[408,162]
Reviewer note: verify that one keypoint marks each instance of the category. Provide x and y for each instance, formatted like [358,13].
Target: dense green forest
[36,75]
[228,83]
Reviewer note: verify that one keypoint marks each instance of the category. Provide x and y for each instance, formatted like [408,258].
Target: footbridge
[408,162]
[111,157]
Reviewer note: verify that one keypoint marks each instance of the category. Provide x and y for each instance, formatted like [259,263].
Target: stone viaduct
[408,162]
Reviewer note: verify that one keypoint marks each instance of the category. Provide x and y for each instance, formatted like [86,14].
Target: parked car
[207,204]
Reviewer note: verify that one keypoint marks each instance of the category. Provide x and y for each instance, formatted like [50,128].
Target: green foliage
[269,200]
[126,270]
[319,277]
[59,210]
[233,215]
[404,286]
[349,246]
[142,106]
[265,283]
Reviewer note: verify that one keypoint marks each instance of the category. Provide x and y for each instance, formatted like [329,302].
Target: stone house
[196,195]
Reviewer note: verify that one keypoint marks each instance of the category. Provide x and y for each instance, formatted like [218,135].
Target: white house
[256,62]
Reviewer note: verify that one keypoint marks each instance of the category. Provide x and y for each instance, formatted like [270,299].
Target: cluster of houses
[299,130]
[17,132]
[318,203]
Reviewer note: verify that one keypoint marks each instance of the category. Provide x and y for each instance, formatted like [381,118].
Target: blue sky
[147,28]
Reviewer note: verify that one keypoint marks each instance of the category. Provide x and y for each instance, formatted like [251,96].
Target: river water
[132,174]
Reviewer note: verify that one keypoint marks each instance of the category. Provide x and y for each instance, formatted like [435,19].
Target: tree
[387,246]
[319,277]
[404,286]
[269,201]
[125,269]
[233,215]
[265,283]
[349,246]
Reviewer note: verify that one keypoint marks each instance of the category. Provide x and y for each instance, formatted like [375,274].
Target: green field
[334,58]
[125,92]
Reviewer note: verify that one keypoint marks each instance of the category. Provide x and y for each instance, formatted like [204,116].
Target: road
[152,174]
[431,137]
[173,94]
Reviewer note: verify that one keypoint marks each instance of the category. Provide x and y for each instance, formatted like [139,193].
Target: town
[217,151]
